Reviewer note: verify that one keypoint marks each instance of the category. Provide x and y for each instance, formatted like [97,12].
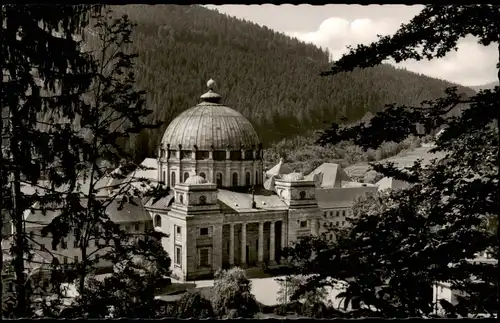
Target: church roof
[242,202]
[332,175]
[210,124]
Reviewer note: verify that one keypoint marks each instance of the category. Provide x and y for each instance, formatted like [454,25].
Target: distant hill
[485,86]
[269,77]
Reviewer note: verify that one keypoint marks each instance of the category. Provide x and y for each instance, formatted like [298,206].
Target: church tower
[197,229]
[304,213]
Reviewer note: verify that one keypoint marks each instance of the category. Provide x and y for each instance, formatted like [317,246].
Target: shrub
[193,304]
[314,309]
[232,291]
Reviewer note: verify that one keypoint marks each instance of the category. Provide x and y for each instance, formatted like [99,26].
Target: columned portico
[252,243]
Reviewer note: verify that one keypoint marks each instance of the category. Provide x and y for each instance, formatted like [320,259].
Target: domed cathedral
[212,141]
[223,209]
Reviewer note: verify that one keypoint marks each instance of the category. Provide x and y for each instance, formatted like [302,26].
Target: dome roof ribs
[211,126]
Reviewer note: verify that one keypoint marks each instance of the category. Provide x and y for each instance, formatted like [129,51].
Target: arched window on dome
[186,176]
[247,179]
[172,179]
[203,175]
[235,179]
[157,221]
[219,180]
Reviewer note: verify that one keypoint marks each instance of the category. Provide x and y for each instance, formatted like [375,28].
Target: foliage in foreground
[131,289]
[430,231]
[38,55]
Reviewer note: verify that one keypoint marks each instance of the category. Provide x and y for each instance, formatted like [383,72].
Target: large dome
[210,124]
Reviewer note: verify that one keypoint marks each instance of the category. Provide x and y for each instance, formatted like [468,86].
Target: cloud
[472,64]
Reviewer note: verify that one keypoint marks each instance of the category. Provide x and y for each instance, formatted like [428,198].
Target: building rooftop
[279,169]
[391,183]
[330,175]
[129,213]
[330,198]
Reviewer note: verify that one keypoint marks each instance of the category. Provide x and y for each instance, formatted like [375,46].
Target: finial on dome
[211,96]
[211,84]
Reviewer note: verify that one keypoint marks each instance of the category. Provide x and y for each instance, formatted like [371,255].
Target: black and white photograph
[249,161]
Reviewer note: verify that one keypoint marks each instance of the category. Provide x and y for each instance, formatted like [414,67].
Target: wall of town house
[70,254]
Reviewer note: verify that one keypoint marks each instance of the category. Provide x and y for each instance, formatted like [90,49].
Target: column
[283,235]
[243,262]
[261,242]
[231,244]
[272,246]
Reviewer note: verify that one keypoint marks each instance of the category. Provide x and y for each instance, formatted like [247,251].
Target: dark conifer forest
[270,78]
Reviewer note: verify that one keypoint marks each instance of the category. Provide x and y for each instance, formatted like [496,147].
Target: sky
[336,26]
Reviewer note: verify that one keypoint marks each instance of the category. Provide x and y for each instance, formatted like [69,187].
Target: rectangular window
[343,222]
[203,231]
[75,259]
[42,247]
[331,213]
[178,235]
[204,257]
[32,234]
[303,224]
[137,227]
[343,213]
[337,223]
[65,260]
[178,256]
[324,214]
[337,213]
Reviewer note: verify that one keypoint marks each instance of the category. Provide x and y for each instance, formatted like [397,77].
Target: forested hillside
[270,78]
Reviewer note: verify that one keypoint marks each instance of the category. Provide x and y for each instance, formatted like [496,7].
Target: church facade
[224,210]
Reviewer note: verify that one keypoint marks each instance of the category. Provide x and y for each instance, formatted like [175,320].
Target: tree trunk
[19,238]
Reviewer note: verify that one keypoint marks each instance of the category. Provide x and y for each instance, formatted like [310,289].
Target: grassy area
[176,288]
[404,159]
